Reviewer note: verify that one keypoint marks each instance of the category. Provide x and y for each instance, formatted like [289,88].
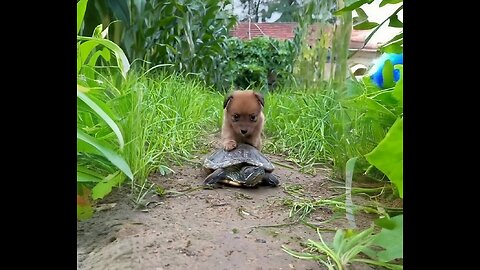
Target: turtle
[244,166]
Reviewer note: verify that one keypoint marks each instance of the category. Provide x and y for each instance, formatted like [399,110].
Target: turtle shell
[244,153]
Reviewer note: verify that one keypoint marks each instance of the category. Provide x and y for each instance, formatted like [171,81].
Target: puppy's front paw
[229,145]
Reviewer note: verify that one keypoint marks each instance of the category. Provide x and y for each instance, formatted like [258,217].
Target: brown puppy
[243,119]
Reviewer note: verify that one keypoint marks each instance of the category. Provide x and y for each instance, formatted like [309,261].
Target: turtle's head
[253,175]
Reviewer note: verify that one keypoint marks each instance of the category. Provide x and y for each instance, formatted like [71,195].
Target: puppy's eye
[253,118]
[235,117]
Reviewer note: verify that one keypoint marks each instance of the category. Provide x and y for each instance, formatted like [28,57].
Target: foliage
[263,10]
[189,35]
[332,127]
[366,126]
[390,239]
[261,62]
[388,155]
[322,59]
[160,124]
[287,8]
[361,22]
[164,125]
[299,136]
[348,246]
[100,141]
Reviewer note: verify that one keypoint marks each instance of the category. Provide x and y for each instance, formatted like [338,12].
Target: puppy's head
[243,110]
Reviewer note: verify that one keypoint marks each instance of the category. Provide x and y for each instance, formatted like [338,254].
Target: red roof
[275,30]
[282,31]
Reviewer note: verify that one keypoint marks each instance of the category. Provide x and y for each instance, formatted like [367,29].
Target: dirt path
[224,228]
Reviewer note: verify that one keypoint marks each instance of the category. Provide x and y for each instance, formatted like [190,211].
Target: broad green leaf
[361,13]
[391,239]
[96,105]
[387,74]
[398,90]
[105,186]
[395,45]
[385,2]
[87,175]
[352,5]
[388,155]
[395,22]
[85,49]
[84,147]
[87,178]
[90,72]
[106,54]
[81,7]
[122,60]
[386,223]
[366,25]
[379,26]
[106,151]
[395,38]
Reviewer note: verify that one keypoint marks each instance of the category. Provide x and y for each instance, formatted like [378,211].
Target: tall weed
[100,141]
[165,118]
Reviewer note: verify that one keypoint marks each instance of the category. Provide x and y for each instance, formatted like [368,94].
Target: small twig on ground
[274,225]
[175,193]
[283,165]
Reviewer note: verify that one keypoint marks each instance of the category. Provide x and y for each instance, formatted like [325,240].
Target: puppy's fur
[243,119]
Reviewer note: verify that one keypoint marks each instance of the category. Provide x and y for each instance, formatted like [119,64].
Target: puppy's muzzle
[243,131]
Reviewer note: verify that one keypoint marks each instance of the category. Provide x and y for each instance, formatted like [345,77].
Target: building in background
[248,27]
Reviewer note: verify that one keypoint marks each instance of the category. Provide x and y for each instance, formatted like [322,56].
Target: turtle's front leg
[214,177]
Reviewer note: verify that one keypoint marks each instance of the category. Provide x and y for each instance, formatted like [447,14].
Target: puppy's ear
[260,98]
[227,101]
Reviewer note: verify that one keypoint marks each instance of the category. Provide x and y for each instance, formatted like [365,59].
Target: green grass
[165,119]
[296,123]
[324,126]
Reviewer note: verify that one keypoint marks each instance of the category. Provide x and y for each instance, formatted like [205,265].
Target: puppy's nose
[243,131]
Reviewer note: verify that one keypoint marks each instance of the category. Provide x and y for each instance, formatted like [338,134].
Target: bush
[262,63]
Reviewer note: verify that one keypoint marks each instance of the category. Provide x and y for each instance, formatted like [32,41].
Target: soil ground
[222,228]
